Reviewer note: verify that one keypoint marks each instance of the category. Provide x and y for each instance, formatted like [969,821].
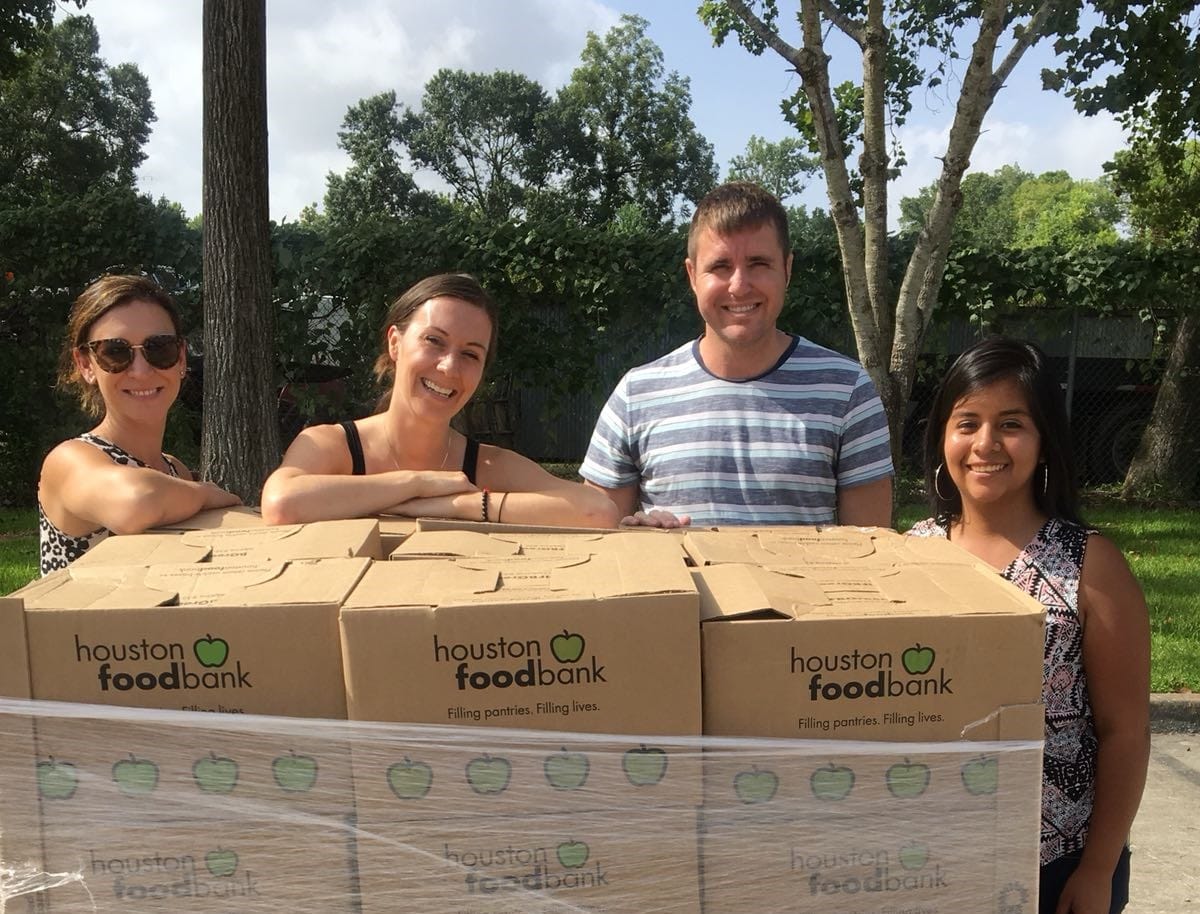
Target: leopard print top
[58,549]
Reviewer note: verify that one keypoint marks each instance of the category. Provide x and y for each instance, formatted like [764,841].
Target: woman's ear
[394,336]
[83,365]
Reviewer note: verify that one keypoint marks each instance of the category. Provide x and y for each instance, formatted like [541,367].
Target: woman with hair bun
[125,358]
[437,339]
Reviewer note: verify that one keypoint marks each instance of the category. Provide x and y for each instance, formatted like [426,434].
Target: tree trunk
[1165,462]
[240,444]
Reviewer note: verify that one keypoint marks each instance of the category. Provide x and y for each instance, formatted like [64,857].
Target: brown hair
[107,292]
[462,286]
[736,206]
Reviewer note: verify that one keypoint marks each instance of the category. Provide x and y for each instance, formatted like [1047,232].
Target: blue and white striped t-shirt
[767,450]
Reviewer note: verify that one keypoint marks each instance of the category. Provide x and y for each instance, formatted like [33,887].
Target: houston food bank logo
[558,660]
[149,665]
[871,674]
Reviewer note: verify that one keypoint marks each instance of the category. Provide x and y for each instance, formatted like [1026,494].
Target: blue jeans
[1054,877]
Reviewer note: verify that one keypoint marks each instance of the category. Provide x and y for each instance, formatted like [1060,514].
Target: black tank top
[359,463]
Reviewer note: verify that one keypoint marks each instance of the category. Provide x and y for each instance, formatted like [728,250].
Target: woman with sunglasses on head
[124,356]
[1001,482]
[406,459]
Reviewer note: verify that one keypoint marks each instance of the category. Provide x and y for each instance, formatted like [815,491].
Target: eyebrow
[1020,411]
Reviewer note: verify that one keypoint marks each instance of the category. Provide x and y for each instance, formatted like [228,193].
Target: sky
[325,55]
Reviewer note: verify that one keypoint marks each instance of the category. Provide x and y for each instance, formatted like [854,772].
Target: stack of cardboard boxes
[516,720]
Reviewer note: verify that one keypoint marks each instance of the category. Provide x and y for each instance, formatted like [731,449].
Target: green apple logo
[566,648]
[981,776]
[573,854]
[755,786]
[918,660]
[832,783]
[295,773]
[135,777]
[56,780]
[488,775]
[913,856]
[211,651]
[410,780]
[907,780]
[566,770]
[215,774]
[644,766]
[221,863]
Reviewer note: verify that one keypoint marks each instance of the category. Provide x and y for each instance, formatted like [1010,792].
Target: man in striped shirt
[748,424]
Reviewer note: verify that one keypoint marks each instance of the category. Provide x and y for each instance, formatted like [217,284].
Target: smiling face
[439,356]
[140,391]
[739,280]
[992,446]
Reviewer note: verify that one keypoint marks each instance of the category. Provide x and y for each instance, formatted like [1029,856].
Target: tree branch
[1034,32]
[768,37]
[855,31]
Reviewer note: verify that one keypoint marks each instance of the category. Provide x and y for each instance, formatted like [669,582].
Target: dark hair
[994,359]
[736,206]
[462,286]
[108,292]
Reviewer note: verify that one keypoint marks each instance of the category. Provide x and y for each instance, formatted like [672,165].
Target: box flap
[418,582]
[750,592]
[454,543]
[144,549]
[215,518]
[98,587]
[322,539]
[775,546]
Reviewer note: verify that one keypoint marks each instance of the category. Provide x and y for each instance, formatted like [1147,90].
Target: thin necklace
[396,461]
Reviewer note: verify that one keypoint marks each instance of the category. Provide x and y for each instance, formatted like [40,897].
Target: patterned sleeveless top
[1048,569]
[58,549]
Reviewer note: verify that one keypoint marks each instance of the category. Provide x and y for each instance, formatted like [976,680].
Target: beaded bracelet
[485,493]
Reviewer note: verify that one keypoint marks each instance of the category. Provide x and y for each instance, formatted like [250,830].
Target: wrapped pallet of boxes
[578,636]
[143,804]
[902,703]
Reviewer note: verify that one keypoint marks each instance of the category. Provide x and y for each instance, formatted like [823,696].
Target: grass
[1161,543]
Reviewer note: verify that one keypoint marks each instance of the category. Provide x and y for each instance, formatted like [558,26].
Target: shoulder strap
[470,459]
[354,443]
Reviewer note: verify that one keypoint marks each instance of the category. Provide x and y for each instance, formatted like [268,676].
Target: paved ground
[1166,833]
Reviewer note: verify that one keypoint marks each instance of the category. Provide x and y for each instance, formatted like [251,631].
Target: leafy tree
[21,25]
[70,121]
[780,167]
[240,440]
[1164,202]
[376,183]
[637,143]
[1141,62]
[902,47]
[1012,208]
[491,136]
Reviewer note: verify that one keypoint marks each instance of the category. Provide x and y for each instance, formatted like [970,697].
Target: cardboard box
[808,546]
[853,828]
[253,638]
[393,531]
[127,868]
[588,862]
[872,653]
[412,774]
[531,543]
[229,544]
[590,644]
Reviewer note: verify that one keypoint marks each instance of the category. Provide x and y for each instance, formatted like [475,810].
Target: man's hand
[656,518]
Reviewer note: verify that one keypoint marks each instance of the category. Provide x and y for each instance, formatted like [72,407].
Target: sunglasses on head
[116,355]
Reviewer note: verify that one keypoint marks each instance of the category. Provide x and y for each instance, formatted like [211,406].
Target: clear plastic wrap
[112,809]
